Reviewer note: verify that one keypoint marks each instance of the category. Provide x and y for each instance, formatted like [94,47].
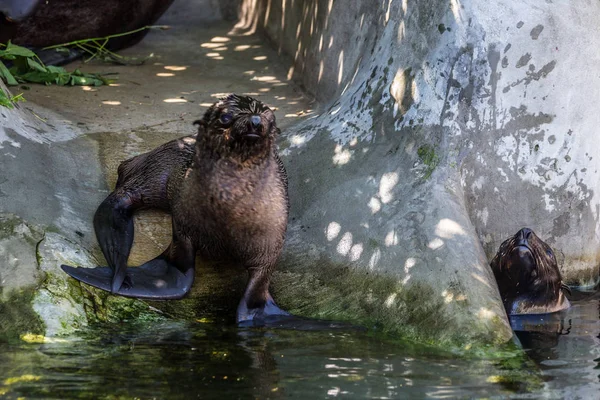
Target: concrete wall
[506,86]
[446,126]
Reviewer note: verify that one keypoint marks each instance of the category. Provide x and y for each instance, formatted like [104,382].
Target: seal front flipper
[257,307]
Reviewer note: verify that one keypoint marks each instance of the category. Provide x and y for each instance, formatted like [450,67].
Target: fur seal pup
[527,274]
[226,190]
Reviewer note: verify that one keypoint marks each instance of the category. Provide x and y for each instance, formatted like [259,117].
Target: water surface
[213,360]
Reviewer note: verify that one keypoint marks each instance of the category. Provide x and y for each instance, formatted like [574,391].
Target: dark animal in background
[14,10]
[226,190]
[37,24]
[527,274]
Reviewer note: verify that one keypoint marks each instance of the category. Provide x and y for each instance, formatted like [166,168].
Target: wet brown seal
[226,190]
[528,277]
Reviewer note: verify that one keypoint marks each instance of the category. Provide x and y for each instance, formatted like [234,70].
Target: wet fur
[524,291]
[61,21]
[227,192]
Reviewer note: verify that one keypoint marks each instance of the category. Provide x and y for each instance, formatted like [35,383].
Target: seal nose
[255,119]
[523,236]
[525,233]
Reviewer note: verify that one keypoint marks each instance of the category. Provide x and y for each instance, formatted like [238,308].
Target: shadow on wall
[330,42]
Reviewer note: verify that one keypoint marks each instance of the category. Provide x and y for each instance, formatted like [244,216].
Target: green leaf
[56,70]
[4,100]
[13,49]
[62,79]
[6,56]
[35,65]
[6,75]
[86,81]
[38,77]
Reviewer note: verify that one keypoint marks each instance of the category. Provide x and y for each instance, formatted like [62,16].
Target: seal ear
[202,125]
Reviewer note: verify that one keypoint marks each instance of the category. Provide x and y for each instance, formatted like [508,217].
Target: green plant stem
[77,42]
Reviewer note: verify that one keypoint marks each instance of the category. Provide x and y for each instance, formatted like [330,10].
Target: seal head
[528,277]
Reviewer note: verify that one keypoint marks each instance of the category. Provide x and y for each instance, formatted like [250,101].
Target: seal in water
[527,274]
[226,190]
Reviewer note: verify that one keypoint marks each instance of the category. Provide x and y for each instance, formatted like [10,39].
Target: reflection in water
[201,360]
[566,346]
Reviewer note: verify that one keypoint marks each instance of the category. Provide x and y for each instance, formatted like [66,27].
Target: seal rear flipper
[155,280]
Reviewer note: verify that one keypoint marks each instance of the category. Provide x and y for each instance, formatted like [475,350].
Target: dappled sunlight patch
[165,74]
[375,258]
[356,251]
[484,313]
[241,47]
[391,239]
[448,228]
[265,78]
[435,244]
[390,300]
[448,296]
[21,379]
[341,156]
[259,58]
[175,67]
[480,279]
[345,244]
[332,231]
[215,56]
[408,264]
[340,67]
[220,39]
[205,104]
[335,110]
[112,102]
[210,45]
[386,184]
[375,205]
[89,89]
[175,100]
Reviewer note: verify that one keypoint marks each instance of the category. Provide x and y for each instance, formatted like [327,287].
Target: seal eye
[226,118]
[550,253]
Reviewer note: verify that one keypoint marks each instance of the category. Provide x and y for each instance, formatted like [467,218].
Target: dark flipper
[168,276]
[157,280]
[113,223]
[257,303]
